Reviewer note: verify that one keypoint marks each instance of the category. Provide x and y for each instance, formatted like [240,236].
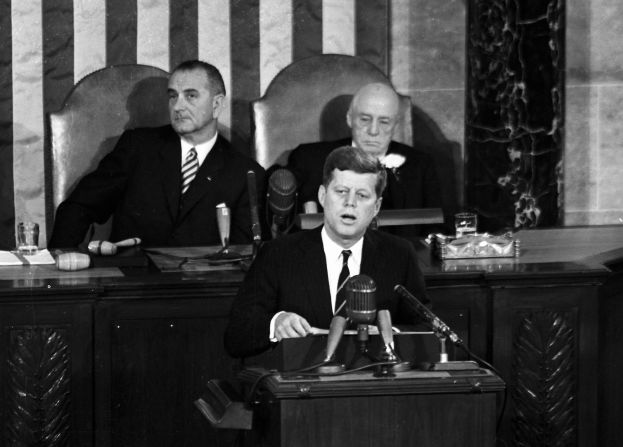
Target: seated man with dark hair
[292,285]
[412,180]
[162,184]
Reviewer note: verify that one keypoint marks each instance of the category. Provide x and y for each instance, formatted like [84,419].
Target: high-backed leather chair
[95,113]
[307,101]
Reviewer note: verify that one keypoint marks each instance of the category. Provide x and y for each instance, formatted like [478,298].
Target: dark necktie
[344,274]
[189,169]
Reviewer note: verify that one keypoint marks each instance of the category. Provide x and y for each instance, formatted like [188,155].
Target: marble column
[515,112]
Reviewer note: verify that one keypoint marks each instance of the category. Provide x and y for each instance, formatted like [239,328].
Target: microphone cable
[442,330]
[488,365]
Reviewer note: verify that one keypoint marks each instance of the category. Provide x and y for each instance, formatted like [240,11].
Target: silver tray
[475,246]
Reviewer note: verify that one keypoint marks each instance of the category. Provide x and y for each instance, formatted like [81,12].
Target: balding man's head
[372,117]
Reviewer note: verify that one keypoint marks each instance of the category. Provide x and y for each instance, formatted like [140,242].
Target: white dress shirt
[202,149]
[333,260]
[333,257]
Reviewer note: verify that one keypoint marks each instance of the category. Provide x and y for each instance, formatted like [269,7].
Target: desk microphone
[438,326]
[336,330]
[256,229]
[384,323]
[360,292]
[281,198]
[388,353]
[223,221]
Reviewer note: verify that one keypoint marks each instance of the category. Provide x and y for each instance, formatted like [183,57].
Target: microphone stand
[363,337]
[442,331]
[388,354]
[449,365]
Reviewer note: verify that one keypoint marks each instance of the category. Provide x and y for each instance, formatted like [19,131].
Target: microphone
[281,198]
[256,230]
[336,330]
[438,326]
[223,221]
[384,323]
[361,309]
[360,293]
[360,298]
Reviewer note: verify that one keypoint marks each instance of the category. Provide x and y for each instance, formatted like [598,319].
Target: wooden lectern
[423,408]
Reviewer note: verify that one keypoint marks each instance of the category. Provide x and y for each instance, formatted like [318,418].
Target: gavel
[106,248]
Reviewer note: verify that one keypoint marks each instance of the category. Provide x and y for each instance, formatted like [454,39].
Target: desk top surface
[364,383]
[566,251]
[573,250]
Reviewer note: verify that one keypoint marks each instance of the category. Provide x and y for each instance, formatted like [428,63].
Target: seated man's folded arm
[95,197]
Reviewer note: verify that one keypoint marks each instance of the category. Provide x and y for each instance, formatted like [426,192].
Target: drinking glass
[27,238]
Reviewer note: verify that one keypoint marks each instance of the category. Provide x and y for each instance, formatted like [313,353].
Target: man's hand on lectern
[291,325]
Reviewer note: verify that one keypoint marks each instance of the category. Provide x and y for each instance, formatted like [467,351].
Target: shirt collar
[202,149]
[333,251]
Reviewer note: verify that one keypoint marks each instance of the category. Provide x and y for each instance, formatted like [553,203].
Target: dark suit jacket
[413,185]
[139,182]
[290,274]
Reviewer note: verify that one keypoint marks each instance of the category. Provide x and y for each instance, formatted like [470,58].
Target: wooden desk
[131,348]
[121,354]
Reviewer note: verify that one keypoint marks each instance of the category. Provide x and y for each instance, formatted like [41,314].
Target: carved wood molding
[544,377]
[38,387]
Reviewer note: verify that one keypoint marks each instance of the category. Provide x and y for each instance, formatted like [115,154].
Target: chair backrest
[95,113]
[307,101]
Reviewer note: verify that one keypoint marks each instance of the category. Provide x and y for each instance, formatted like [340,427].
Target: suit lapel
[171,167]
[368,254]
[315,280]
[396,187]
[204,182]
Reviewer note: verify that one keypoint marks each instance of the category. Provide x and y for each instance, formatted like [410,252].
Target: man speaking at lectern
[292,286]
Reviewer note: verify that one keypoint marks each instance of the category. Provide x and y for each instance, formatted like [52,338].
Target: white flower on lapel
[393,161]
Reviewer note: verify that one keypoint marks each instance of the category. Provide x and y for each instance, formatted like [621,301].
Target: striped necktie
[189,169]
[344,274]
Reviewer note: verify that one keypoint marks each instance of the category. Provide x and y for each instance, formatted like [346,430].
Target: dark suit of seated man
[292,285]
[412,180]
[140,182]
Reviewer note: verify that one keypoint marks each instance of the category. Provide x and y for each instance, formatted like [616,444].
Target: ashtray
[474,246]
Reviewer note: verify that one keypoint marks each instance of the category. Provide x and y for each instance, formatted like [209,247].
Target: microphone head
[360,291]
[281,192]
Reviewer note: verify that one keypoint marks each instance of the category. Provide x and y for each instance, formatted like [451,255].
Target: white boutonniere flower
[393,162]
